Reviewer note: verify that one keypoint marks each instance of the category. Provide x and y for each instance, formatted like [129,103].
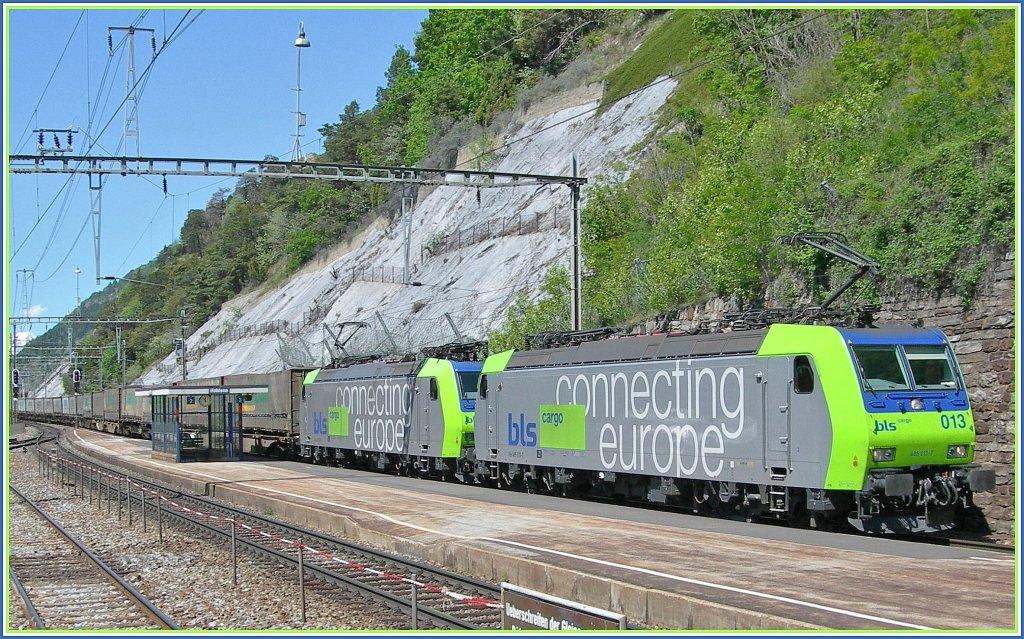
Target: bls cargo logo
[556,427]
[336,422]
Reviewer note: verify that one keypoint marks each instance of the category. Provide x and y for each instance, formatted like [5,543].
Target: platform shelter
[198,423]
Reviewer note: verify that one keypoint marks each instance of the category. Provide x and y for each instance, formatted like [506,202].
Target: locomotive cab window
[881,368]
[930,367]
[803,375]
[433,388]
[468,381]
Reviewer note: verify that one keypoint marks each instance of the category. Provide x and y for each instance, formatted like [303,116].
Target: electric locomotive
[409,417]
[817,424]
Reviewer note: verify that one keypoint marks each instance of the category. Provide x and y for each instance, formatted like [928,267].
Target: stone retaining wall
[983,337]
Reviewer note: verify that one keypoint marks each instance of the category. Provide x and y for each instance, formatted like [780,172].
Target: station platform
[640,564]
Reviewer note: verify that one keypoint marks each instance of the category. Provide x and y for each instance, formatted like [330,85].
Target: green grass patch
[665,50]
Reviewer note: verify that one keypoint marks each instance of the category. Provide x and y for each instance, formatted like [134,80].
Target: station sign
[523,609]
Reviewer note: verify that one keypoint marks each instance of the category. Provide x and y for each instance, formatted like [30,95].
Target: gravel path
[188,578]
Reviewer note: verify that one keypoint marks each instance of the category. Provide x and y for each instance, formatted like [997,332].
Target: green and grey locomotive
[408,417]
[812,423]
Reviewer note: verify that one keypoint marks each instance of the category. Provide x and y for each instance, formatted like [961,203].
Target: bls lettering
[884,426]
[319,424]
[521,433]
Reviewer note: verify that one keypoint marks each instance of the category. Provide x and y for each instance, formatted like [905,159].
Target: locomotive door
[486,424]
[429,434]
[778,418]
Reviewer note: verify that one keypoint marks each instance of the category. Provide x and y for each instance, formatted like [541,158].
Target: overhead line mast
[131,129]
[131,100]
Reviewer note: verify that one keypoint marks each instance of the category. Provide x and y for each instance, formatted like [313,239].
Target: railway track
[962,538]
[442,599]
[965,542]
[65,586]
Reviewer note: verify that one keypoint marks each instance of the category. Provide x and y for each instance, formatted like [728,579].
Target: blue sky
[223,88]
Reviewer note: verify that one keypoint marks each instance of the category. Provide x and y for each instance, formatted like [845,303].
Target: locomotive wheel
[819,521]
[504,481]
[705,498]
[707,502]
[799,517]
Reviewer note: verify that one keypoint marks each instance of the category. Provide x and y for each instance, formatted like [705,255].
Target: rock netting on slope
[474,282]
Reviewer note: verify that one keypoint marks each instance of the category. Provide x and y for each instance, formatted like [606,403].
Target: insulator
[165,185]
[41,138]
[69,138]
[152,42]
[110,43]
[56,141]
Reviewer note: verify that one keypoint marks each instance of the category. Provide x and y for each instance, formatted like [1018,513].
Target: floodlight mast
[301,43]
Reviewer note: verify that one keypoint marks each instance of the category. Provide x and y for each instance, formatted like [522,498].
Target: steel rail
[982,545]
[26,601]
[148,607]
[37,441]
[461,580]
[437,617]
[389,598]
[264,524]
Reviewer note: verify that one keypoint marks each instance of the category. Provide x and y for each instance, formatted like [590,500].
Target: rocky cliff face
[471,251]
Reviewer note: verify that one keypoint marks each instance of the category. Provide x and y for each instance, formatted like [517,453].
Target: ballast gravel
[190,578]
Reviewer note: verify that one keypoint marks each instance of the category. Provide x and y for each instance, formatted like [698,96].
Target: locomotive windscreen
[880,368]
[468,383]
[930,367]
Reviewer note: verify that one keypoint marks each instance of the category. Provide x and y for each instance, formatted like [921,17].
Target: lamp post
[301,43]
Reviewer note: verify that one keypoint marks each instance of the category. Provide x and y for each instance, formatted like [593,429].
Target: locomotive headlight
[883,454]
[917,403]
[958,451]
